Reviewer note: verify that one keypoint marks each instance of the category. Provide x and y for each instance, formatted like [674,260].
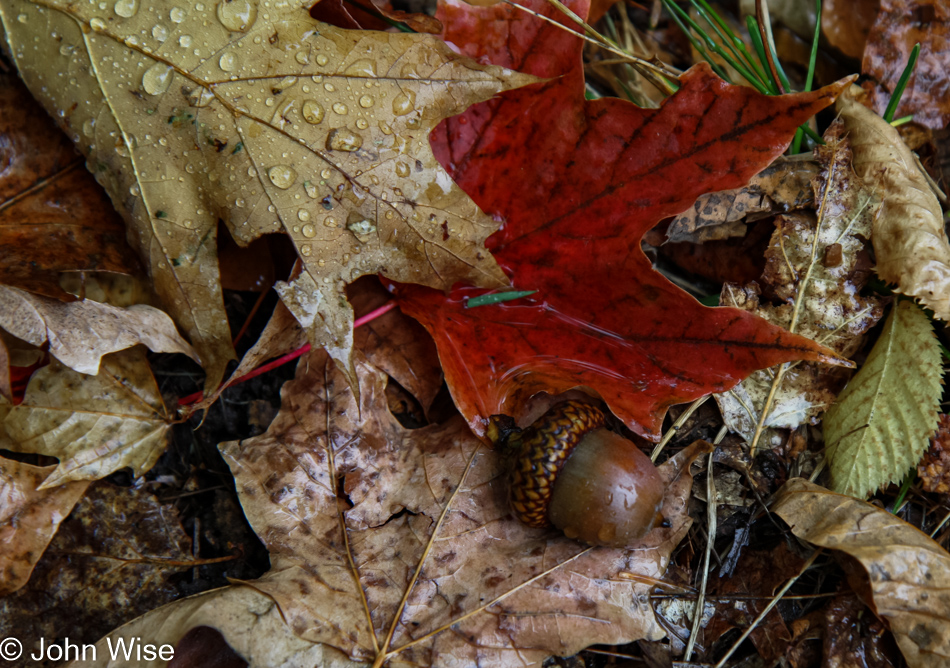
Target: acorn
[570,472]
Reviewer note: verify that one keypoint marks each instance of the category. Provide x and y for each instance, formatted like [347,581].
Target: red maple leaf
[577,184]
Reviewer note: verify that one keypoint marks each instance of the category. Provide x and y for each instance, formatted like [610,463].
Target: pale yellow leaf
[910,243]
[80,333]
[879,426]
[908,573]
[253,113]
[94,425]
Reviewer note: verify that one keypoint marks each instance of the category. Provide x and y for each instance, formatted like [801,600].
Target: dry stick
[710,540]
[680,421]
[796,312]
[765,34]
[943,522]
[768,608]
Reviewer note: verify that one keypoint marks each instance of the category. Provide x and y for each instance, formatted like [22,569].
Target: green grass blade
[760,52]
[813,57]
[497,298]
[901,84]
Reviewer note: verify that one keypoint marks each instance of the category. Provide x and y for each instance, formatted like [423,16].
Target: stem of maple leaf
[283,359]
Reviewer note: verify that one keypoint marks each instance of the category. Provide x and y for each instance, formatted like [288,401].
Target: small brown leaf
[909,574]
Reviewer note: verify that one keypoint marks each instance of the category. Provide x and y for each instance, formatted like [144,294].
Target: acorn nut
[592,484]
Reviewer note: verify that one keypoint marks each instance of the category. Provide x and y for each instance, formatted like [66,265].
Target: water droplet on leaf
[312,111]
[343,139]
[126,8]
[157,78]
[282,176]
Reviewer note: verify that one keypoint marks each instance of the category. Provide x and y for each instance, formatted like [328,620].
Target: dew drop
[303,214]
[310,189]
[402,169]
[404,103]
[126,8]
[285,83]
[88,128]
[322,60]
[157,78]
[227,62]
[326,173]
[177,14]
[322,263]
[97,24]
[184,41]
[366,102]
[239,202]
[159,32]
[384,127]
[282,176]
[312,111]
[343,139]
[328,87]
[22,18]
[305,249]
[363,67]
[301,57]
[361,228]
[309,231]
[329,222]
[340,108]
[362,123]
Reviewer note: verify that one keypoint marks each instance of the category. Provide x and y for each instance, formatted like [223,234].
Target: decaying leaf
[783,186]
[846,24]
[394,544]
[80,333]
[94,425]
[908,234]
[254,113]
[880,424]
[909,574]
[53,216]
[898,27]
[110,561]
[812,270]
[592,177]
[28,518]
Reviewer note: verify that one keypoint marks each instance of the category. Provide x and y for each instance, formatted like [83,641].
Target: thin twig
[680,421]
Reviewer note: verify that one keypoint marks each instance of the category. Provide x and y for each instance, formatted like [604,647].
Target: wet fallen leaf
[94,425]
[395,544]
[899,25]
[592,177]
[80,333]
[254,113]
[54,218]
[110,561]
[908,232]
[28,519]
[813,272]
[783,186]
[879,426]
[909,574]
[846,24]
[855,638]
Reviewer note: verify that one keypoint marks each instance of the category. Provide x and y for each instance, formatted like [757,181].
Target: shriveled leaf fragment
[909,574]
[272,122]
[398,544]
[813,268]
[785,185]
[880,424]
[94,425]
[592,177]
[910,243]
[53,216]
[110,561]
[900,25]
[28,518]
[80,333]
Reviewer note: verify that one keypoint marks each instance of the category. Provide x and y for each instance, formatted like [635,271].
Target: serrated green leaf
[880,424]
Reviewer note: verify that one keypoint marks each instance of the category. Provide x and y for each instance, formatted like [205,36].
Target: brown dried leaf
[908,233]
[80,333]
[28,519]
[908,573]
[109,562]
[783,186]
[53,216]
[94,425]
[818,281]
[846,24]
[431,568]
[272,122]
[899,26]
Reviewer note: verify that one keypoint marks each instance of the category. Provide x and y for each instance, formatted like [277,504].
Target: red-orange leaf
[578,183]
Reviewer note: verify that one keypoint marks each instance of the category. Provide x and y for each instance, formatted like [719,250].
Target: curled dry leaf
[899,26]
[908,233]
[53,216]
[813,268]
[909,574]
[254,113]
[879,426]
[785,185]
[94,425]
[28,518]
[397,545]
[80,333]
